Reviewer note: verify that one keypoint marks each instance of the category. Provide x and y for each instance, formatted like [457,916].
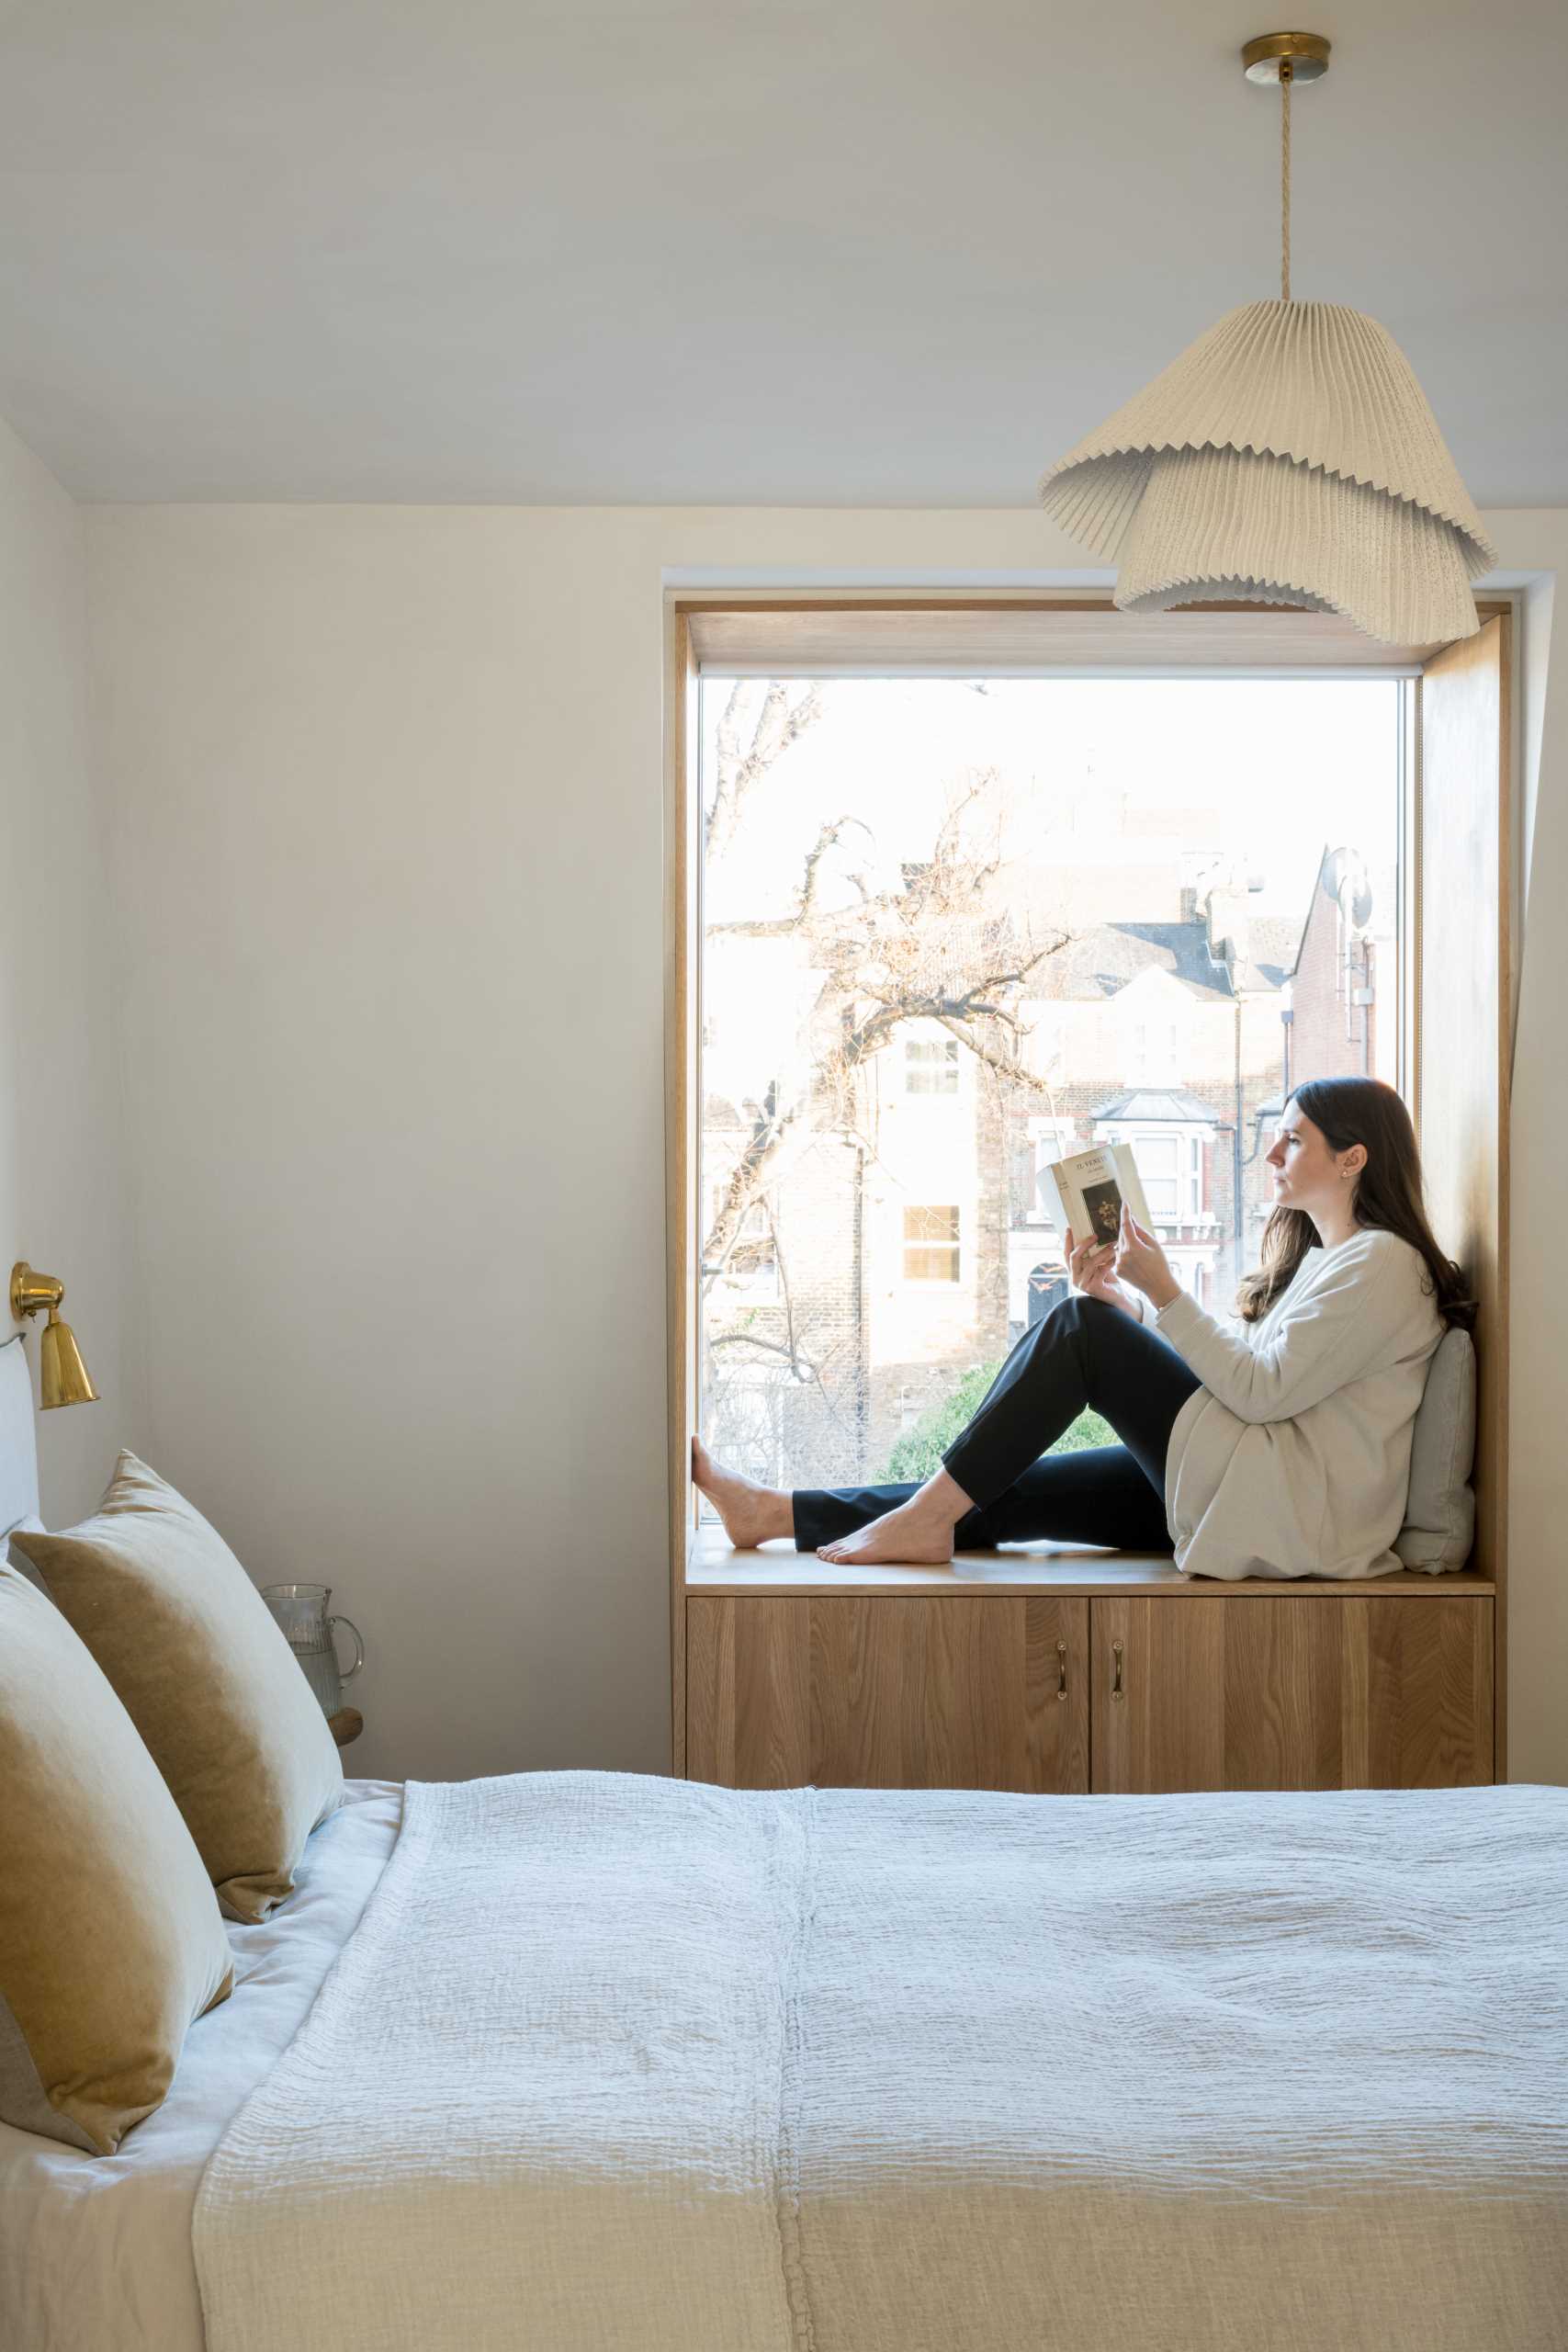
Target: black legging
[1084,1352]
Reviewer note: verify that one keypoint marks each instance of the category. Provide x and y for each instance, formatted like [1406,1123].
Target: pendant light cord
[1286,76]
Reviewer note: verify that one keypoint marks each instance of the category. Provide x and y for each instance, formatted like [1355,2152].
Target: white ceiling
[871,253]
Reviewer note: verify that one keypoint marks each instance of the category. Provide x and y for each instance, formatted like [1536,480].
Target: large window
[954,927]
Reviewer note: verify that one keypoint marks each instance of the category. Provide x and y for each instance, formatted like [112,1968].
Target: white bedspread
[618,2064]
[95,2251]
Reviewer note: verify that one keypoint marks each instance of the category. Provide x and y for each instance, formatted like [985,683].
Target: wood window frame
[1007,633]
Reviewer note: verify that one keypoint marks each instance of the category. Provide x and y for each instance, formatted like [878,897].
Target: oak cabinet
[1123,1691]
[873,1693]
[1290,1693]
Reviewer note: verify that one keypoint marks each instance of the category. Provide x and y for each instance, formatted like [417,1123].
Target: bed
[96,2251]
[585,2061]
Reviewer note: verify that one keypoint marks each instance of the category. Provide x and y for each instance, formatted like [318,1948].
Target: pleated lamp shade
[1287,457]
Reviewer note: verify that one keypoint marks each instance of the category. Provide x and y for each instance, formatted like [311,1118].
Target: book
[1089,1188]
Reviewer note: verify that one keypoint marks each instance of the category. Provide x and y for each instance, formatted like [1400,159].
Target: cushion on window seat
[1439,1517]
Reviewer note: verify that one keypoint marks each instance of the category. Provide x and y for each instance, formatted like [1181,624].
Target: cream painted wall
[62,1199]
[395,1106]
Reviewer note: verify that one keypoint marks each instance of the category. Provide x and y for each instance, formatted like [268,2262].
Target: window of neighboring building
[1157,1165]
[753,1262]
[1170,1165]
[930,1065]
[751,1268]
[930,1245]
[1155,1054]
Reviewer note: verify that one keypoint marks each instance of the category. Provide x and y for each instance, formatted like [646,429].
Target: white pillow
[1439,1517]
[29,1526]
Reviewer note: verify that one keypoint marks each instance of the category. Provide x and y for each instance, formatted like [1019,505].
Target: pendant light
[1287,457]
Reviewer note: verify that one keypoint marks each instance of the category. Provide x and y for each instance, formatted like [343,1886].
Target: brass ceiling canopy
[1286,57]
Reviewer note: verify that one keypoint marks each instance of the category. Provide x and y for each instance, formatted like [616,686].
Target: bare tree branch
[864,1034]
[1006,1065]
[940,949]
[740,766]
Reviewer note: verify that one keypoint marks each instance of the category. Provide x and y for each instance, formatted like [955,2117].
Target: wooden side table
[345,1726]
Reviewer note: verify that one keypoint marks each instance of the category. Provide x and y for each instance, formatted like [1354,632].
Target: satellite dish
[1346,880]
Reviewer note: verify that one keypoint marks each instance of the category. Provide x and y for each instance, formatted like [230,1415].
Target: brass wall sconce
[63,1375]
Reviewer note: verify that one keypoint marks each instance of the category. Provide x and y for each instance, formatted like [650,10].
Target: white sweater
[1294,1458]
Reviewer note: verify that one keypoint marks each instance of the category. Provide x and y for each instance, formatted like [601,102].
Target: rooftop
[1157,1106]
[1099,960]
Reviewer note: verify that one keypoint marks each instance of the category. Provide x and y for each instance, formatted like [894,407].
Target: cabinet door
[888,1691]
[1302,1691]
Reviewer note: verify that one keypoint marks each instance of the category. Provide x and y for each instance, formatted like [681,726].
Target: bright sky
[1273,770]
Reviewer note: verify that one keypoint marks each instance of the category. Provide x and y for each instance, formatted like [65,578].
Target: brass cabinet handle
[1116,1689]
[1061,1669]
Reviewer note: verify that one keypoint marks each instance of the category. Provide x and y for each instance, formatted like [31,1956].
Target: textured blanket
[617,2064]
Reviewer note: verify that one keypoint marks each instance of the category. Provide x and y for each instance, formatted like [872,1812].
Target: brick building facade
[1344,980]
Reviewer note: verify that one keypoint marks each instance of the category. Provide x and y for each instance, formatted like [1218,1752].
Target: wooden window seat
[1050,1668]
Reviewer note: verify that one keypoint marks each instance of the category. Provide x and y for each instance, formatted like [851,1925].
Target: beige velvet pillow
[206,1676]
[110,1939]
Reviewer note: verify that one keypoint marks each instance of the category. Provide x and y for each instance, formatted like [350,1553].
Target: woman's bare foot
[916,1533]
[751,1514]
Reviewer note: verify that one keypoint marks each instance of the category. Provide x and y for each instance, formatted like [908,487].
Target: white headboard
[18,1440]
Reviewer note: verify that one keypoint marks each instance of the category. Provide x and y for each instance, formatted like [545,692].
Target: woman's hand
[1141,1262]
[1089,1270]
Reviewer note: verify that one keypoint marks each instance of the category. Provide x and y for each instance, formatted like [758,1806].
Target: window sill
[1067,1571]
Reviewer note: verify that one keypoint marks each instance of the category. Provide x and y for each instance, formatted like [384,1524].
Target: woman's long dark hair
[1387,1199]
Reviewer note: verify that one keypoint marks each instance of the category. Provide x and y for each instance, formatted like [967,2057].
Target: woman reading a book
[1277,1444]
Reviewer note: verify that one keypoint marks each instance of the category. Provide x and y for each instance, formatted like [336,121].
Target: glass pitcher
[301,1610]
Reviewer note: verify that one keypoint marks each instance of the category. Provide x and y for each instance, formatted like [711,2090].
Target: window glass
[955,927]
